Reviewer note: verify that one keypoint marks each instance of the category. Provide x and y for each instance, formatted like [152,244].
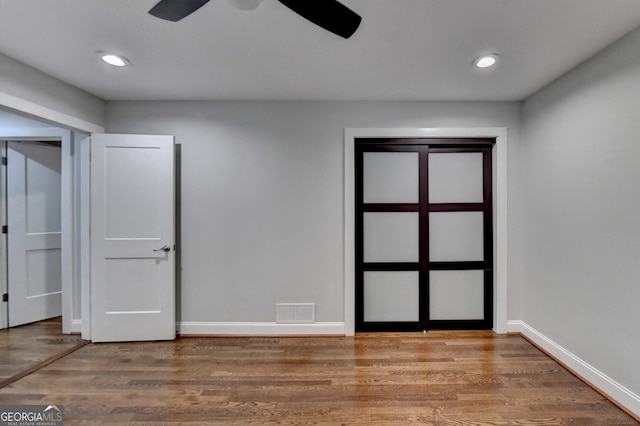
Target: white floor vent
[295,313]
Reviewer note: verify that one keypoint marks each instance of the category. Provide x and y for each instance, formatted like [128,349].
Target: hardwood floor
[28,346]
[441,378]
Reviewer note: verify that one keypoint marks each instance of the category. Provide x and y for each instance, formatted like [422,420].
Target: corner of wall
[618,394]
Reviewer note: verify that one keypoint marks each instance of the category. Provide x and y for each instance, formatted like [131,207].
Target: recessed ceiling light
[114,60]
[486,61]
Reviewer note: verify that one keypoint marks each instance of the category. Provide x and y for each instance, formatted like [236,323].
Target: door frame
[81,129]
[499,154]
[65,138]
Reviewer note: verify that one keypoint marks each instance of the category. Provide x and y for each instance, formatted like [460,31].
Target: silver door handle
[165,248]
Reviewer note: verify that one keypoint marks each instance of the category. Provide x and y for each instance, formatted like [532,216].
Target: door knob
[165,248]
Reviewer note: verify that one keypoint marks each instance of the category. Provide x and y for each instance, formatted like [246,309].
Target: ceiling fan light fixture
[245,4]
[330,15]
[114,60]
[486,61]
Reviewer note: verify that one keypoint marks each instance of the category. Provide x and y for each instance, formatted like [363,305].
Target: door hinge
[5,229]
[5,297]
[4,161]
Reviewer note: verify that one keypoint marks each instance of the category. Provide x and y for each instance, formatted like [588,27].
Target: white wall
[27,90]
[262,188]
[581,171]
[14,121]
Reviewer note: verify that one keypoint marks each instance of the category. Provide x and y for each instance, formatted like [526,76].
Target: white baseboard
[76,326]
[600,381]
[514,326]
[260,328]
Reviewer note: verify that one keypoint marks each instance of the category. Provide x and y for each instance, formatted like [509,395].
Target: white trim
[4,284]
[260,328]
[44,113]
[603,383]
[85,236]
[76,326]
[66,226]
[514,326]
[499,209]
[67,231]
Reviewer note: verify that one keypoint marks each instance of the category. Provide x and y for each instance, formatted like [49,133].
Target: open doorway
[48,338]
[69,227]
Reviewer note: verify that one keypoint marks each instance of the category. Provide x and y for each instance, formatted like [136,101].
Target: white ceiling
[403,50]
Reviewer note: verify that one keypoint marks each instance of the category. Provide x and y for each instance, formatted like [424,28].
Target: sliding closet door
[423,234]
[460,234]
[388,224]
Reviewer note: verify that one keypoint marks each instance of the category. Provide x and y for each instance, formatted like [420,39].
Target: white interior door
[33,221]
[132,238]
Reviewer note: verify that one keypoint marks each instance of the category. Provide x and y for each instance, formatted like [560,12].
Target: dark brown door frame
[423,146]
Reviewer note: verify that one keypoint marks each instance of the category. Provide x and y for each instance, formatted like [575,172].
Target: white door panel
[456,295]
[391,296]
[34,237]
[391,237]
[456,236]
[132,219]
[391,177]
[455,177]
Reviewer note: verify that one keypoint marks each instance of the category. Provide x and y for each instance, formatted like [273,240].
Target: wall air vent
[295,313]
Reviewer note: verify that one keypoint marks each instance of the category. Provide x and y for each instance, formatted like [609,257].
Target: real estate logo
[31,415]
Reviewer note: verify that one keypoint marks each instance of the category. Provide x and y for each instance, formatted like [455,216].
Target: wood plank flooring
[441,378]
[26,347]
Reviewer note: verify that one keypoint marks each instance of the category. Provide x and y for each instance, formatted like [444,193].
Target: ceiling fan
[331,15]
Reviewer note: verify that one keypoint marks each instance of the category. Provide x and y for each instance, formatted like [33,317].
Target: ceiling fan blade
[175,10]
[328,14]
